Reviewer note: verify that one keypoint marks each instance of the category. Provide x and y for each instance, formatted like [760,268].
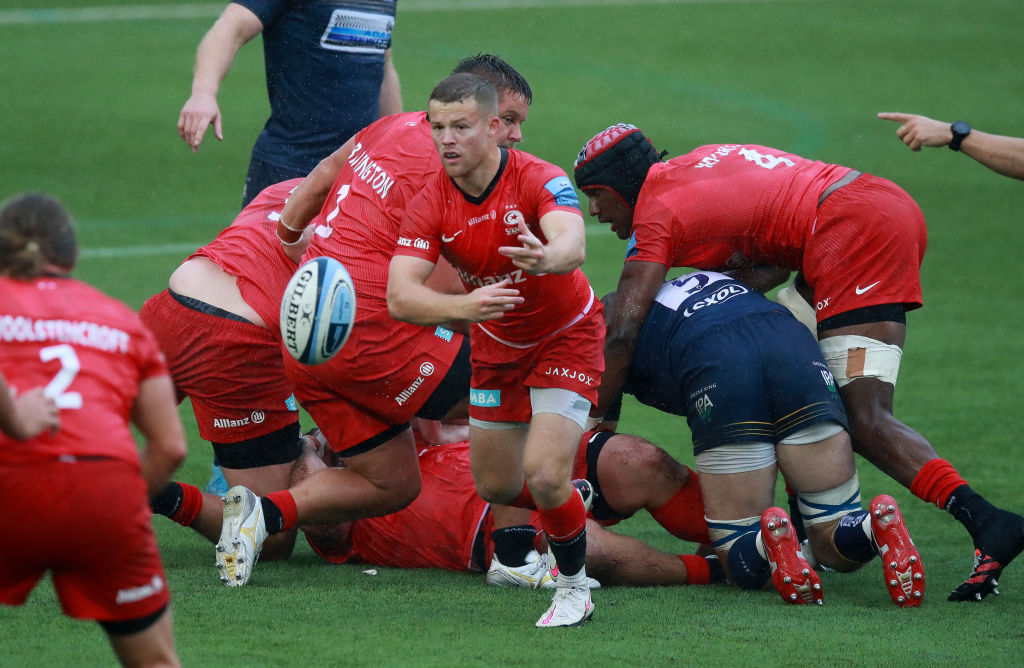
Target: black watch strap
[960,131]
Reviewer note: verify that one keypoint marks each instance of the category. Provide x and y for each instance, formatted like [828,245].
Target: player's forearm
[618,354]
[10,423]
[220,45]
[1001,154]
[566,247]
[416,303]
[159,461]
[390,89]
[564,254]
[155,413]
[309,197]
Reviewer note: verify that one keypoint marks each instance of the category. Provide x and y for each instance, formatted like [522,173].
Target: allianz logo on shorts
[426,370]
[257,417]
[133,594]
[484,397]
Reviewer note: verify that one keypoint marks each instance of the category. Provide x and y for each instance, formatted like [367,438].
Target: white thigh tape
[851,357]
[798,306]
[831,504]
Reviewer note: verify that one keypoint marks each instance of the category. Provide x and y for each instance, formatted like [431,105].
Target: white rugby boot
[533,574]
[241,536]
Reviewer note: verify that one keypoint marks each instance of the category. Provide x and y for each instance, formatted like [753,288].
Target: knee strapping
[851,357]
[831,504]
[726,532]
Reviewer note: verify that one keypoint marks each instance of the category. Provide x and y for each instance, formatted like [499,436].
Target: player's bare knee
[493,490]
[634,471]
[546,484]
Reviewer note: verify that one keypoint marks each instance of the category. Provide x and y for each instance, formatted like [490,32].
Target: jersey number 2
[69,367]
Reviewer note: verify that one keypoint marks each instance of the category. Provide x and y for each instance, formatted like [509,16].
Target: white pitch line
[210,10]
[118,252]
[137,251]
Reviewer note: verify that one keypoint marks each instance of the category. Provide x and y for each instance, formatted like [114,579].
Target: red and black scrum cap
[618,159]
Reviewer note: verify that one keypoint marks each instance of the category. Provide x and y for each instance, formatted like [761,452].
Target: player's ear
[493,126]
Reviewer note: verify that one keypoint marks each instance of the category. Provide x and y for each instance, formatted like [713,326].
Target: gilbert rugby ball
[318,310]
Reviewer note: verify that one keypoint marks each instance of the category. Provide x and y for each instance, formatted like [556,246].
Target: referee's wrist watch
[960,131]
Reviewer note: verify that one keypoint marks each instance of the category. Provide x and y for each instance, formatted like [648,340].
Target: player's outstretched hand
[199,111]
[917,131]
[491,302]
[37,413]
[530,256]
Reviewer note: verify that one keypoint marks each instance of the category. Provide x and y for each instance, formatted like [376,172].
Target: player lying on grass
[449,526]
[759,398]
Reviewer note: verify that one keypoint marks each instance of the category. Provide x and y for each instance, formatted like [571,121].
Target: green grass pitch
[88,113]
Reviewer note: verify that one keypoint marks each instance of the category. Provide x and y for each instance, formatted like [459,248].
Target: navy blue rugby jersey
[324,63]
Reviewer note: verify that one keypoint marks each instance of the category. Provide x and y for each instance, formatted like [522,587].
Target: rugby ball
[317,310]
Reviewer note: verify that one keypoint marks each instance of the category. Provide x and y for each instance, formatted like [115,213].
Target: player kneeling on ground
[759,398]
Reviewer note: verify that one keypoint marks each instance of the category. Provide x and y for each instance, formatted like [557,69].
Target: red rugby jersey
[724,206]
[249,250]
[468,231]
[89,351]
[358,225]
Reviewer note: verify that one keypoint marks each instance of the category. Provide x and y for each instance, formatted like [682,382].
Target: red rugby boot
[901,562]
[792,576]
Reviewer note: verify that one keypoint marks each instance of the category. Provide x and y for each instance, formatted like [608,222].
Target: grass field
[89,114]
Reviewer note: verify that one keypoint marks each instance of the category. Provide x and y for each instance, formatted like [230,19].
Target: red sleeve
[419,233]
[554,189]
[653,239]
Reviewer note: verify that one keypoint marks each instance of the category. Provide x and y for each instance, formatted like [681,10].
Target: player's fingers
[197,135]
[529,240]
[218,130]
[895,116]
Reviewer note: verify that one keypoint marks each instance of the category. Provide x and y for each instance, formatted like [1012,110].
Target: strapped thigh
[850,357]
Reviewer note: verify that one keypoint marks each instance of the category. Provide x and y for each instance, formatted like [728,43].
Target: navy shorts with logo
[756,376]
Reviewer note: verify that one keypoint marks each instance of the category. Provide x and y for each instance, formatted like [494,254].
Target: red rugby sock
[285,502]
[697,570]
[936,481]
[566,521]
[683,515]
[191,504]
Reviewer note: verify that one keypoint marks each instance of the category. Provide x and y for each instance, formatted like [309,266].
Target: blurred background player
[102,369]
[759,398]
[388,371]
[449,526]
[328,70]
[25,415]
[858,241]
[536,361]
[1004,155]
